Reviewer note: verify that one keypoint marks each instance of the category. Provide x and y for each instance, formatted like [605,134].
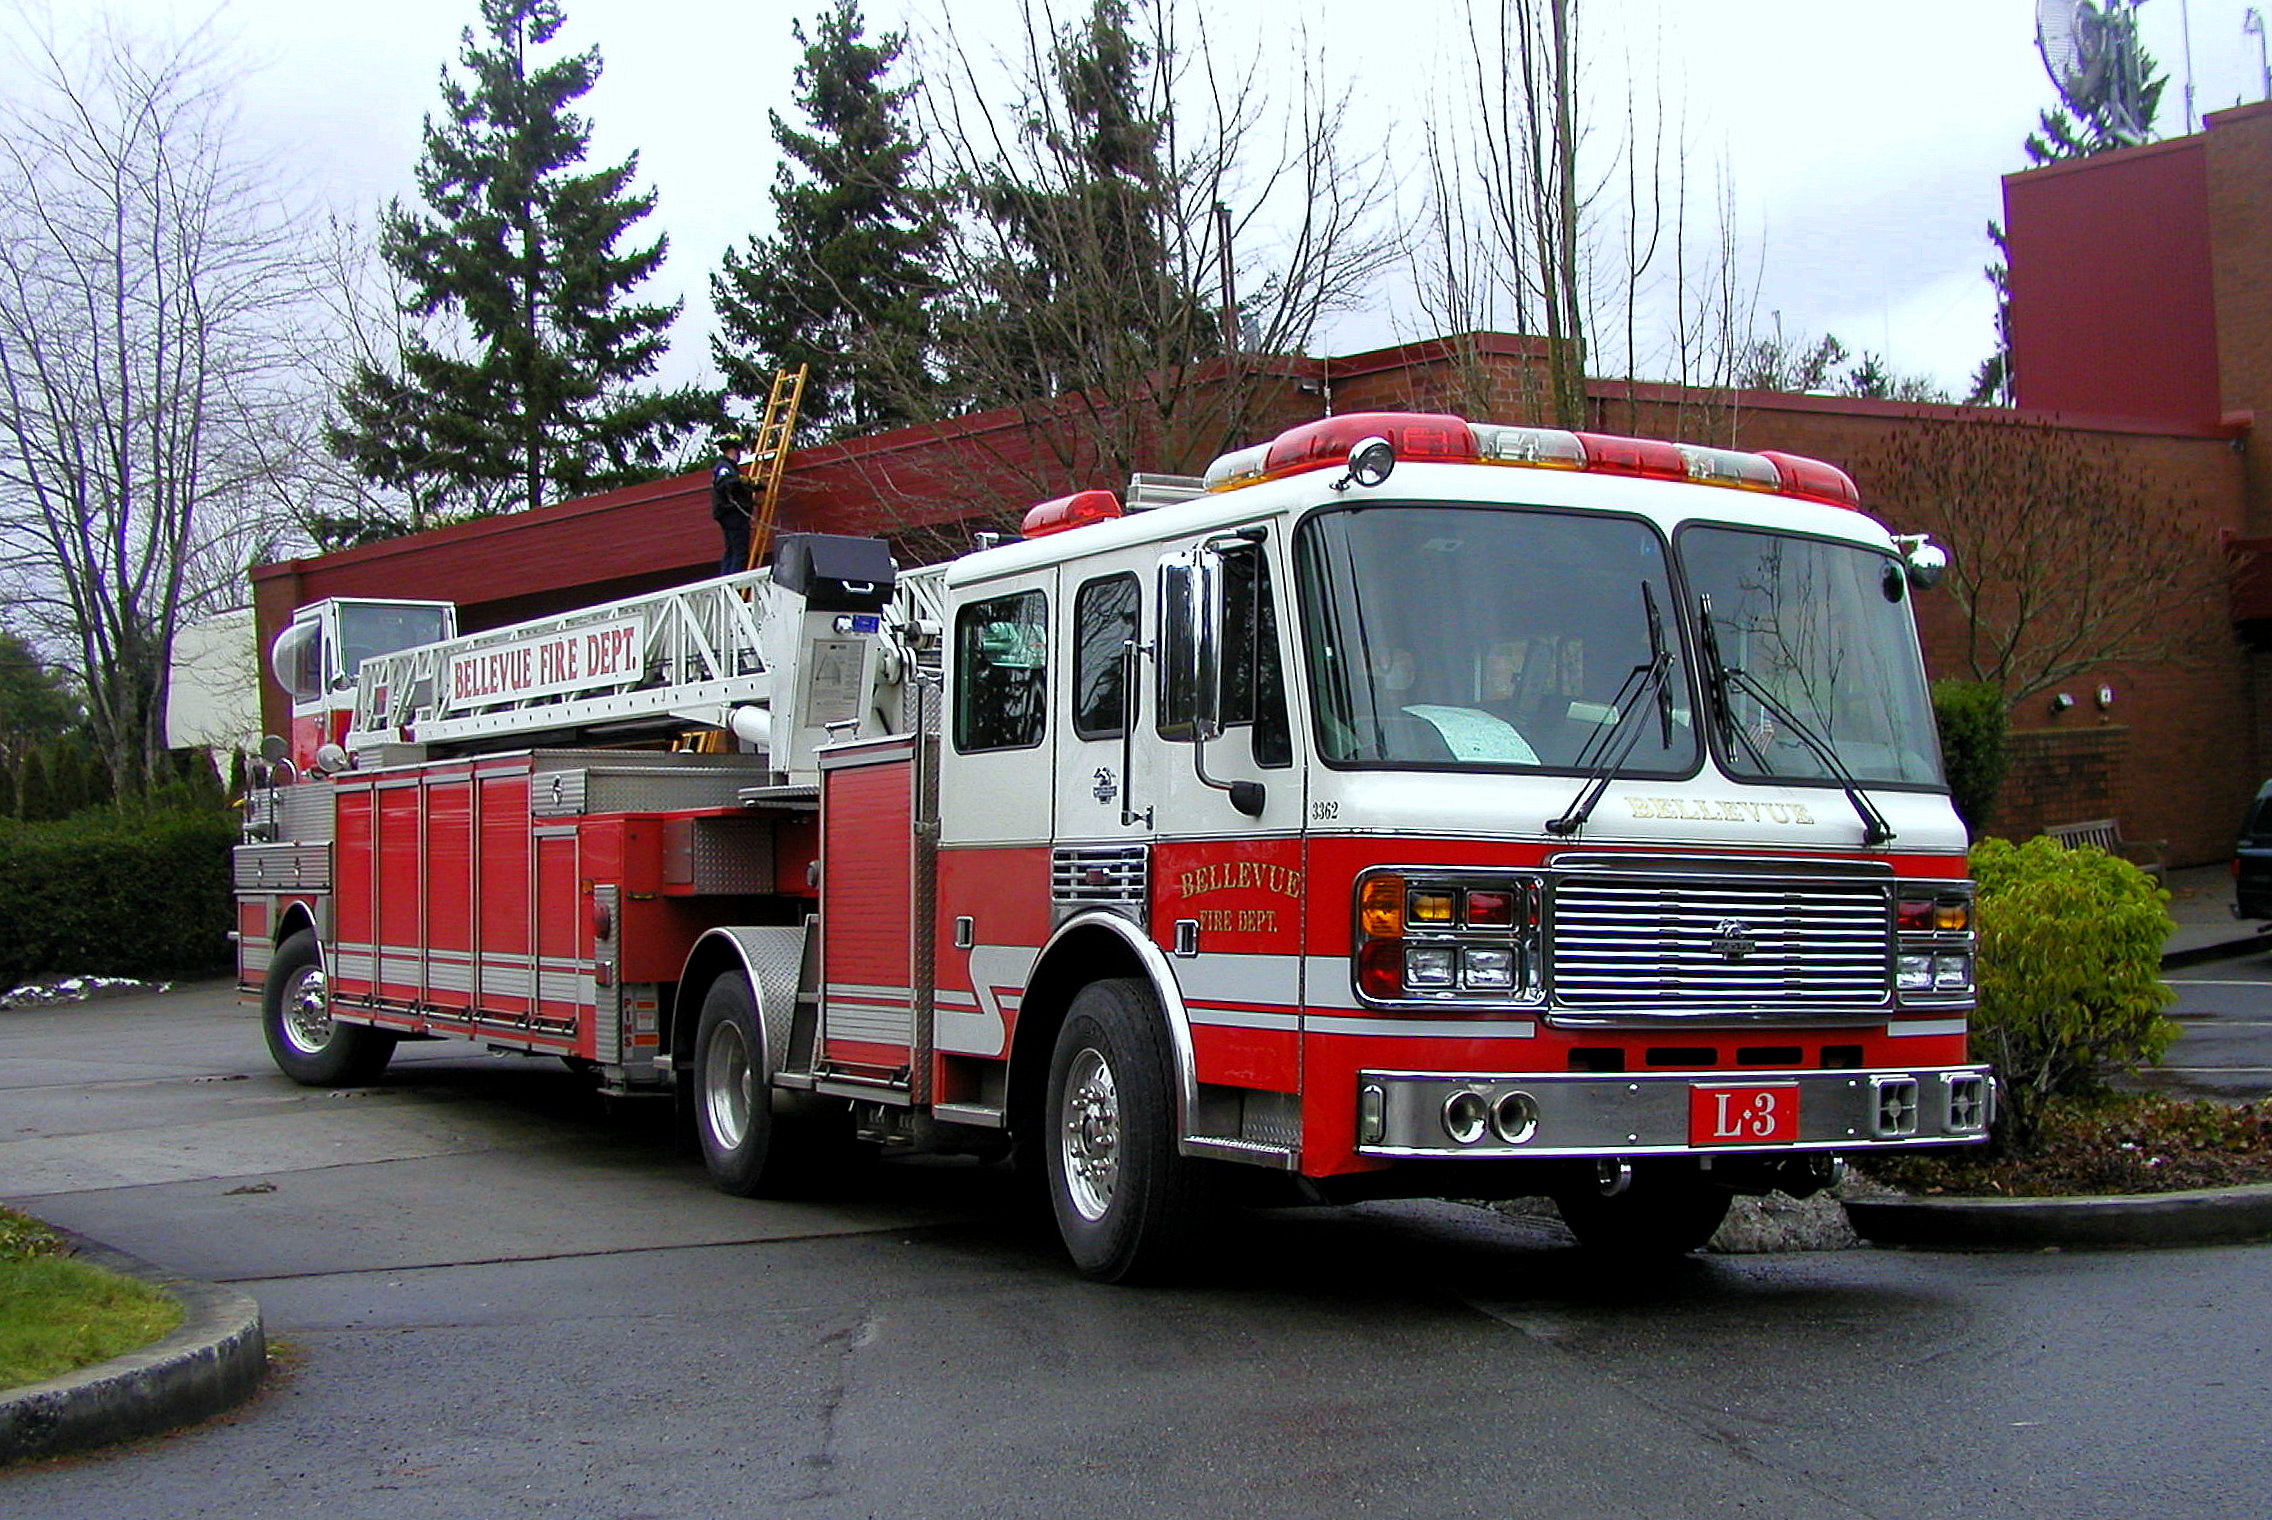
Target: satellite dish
[2071,36]
[2092,57]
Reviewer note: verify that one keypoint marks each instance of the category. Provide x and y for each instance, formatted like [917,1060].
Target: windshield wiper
[1650,679]
[1720,678]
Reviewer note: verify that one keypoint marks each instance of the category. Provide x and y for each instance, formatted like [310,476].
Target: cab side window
[1254,683]
[1002,672]
[297,661]
[1104,624]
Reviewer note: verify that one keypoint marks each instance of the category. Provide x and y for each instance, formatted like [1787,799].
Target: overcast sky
[1863,142]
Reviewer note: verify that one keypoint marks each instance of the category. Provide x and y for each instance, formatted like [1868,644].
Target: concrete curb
[2225,950]
[213,1362]
[2205,1217]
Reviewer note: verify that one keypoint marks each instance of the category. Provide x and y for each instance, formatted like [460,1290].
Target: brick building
[2142,328]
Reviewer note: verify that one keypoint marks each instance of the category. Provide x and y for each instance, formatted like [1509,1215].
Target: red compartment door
[867,910]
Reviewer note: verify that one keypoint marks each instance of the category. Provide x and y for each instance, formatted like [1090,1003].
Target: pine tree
[1083,292]
[33,803]
[66,780]
[35,699]
[846,282]
[519,253]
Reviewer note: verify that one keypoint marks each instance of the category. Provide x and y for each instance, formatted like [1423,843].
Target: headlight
[1451,938]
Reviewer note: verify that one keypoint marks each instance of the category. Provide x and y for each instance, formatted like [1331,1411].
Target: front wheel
[1663,1209]
[733,1103]
[1125,1200]
[309,1045]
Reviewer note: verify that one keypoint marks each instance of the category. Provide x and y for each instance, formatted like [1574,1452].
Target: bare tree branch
[143,269]
[2062,559]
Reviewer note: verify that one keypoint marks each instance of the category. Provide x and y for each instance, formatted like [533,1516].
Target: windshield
[1824,630]
[1484,637]
[367,629]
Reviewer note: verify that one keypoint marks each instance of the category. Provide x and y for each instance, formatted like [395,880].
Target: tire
[733,1105]
[308,1044]
[1126,1203]
[1668,1209]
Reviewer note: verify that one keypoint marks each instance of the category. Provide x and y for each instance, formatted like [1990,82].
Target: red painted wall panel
[2113,312]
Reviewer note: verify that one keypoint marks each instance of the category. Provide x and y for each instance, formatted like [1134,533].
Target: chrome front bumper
[1427,1114]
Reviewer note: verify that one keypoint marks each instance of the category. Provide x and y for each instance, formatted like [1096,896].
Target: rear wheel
[309,1045]
[1663,1208]
[1125,1200]
[733,1104]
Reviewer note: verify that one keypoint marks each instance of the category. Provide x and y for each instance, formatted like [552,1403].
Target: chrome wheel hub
[727,1090]
[307,1012]
[1089,1144]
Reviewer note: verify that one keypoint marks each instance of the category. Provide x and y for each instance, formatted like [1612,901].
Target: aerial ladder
[828,642]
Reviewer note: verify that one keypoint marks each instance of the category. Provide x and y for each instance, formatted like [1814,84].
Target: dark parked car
[2252,860]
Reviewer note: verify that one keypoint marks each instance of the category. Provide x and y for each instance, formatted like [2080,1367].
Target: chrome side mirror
[1925,561]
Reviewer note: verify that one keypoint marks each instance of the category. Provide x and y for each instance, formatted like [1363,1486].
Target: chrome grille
[1672,943]
[1108,875]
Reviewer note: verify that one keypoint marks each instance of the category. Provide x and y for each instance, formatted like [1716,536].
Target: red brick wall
[2064,776]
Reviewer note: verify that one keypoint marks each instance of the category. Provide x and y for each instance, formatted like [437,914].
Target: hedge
[1975,746]
[116,892]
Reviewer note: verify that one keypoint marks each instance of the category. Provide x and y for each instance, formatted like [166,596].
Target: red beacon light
[1075,511]
[1416,437]
[1814,480]
[1438,438]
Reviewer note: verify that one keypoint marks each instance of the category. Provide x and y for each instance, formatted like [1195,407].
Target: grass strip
[57,1315]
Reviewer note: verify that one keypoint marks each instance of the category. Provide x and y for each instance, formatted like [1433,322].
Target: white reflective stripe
[863,993]
[1326,983]
[1241,978]
[1242,1018]
[504,978]
[974,1023]
[1516,1029]
[1926,1026]
[566,987]
[867,990]
[878,1026]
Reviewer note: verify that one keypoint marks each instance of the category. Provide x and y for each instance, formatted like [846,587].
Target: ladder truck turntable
[1411,807]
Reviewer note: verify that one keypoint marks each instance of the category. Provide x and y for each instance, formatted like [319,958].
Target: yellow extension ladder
[769,458]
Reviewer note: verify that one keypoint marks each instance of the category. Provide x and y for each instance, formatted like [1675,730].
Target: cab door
[997,783]
[1101,805]
[1229,896]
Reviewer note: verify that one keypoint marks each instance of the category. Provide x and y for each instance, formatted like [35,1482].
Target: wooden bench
[2149,855]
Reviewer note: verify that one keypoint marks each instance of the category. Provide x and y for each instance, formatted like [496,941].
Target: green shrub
[32,800]
[129,892]
[1975,730]
[2069,973]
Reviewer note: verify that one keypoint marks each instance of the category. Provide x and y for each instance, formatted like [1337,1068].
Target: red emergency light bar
[1437,438]
[1075,511]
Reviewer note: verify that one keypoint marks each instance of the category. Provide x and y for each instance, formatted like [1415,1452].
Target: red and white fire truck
[1411,807]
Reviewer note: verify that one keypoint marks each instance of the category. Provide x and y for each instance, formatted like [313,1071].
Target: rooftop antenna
[2252,25]
[2185,27]
[2093,58]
